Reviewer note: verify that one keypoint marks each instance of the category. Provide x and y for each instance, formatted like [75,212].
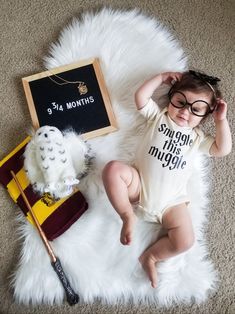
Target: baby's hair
[198,82]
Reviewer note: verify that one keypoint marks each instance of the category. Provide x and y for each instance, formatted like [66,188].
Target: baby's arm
[223,140]
[146,90]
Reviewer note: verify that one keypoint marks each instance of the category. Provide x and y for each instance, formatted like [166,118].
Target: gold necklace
[82,88]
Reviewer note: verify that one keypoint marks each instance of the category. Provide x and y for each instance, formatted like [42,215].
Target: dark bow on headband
[205,78]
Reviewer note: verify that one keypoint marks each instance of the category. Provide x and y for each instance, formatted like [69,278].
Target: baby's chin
[182,122]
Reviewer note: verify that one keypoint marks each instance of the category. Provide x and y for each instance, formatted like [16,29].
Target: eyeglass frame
[188,104]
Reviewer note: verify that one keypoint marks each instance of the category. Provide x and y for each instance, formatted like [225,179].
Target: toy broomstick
[72,297]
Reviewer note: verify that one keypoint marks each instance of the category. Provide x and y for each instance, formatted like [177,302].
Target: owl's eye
[39,133]
[52,130]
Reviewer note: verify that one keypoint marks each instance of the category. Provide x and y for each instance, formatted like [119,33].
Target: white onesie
[164,161]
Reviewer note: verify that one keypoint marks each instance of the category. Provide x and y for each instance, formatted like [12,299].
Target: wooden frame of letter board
[103,89]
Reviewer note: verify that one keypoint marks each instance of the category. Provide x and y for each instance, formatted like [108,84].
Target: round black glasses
[199,108]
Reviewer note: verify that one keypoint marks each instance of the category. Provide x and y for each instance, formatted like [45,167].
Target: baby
[158,179]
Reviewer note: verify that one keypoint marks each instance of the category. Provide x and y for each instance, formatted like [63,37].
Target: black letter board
[72,96]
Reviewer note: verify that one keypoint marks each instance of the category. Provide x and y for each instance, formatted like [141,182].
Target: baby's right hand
[220,111]
[171,77]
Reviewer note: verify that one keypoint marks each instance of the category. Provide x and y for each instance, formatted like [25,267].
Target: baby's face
[48,133]
[182,116]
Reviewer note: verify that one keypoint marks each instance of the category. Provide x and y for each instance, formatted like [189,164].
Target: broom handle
[72,297]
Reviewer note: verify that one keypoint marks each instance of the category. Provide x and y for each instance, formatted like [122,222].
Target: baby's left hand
[220,111]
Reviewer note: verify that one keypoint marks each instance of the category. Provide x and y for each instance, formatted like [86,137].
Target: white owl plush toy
[54,161]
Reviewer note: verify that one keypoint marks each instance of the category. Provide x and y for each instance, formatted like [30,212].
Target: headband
[208,80]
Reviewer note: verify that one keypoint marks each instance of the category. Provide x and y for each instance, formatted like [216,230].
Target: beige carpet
[206,32]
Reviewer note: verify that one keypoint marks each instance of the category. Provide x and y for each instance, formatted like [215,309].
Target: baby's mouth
[183,118]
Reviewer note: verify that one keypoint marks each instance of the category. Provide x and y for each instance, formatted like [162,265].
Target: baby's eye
[39,133]
[197,110]
[52,130]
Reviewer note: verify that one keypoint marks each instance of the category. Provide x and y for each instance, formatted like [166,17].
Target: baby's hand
[171,77]
[220,111]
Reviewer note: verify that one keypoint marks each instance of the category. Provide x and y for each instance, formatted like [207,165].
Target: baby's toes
[125,237]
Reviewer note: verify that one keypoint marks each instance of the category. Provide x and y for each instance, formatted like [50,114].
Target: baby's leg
[180,238]
[122,185]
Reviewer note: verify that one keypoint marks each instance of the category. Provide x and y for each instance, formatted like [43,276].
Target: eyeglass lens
[199,108]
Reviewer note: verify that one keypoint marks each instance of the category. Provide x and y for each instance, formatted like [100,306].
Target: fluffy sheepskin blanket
[131,47]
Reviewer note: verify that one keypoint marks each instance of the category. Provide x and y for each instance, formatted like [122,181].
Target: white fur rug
[131,47]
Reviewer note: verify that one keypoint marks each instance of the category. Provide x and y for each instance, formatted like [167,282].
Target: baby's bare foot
[127,228]
[148,263]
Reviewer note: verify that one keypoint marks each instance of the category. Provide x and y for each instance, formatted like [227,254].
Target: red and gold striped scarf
[55,217]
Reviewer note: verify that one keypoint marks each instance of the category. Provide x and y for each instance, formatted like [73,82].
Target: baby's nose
[185,109]
[45,135]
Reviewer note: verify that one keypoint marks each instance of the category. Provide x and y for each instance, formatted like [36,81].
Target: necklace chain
[65,82]
[81,85]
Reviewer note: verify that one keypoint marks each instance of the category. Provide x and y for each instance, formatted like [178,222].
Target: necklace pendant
[82,88]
